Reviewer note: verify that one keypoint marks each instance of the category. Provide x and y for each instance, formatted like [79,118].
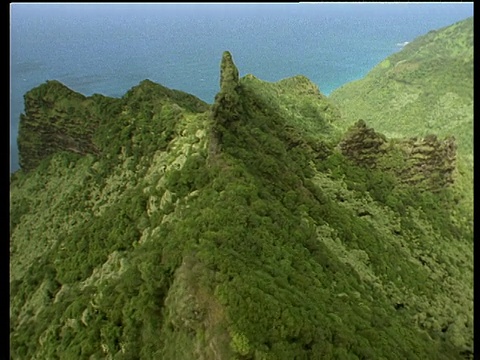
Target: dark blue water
[107,49]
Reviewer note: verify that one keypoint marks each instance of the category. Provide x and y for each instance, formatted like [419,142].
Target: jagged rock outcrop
[430,161]
[228,72]
[226,108]
[363,145]
[426,162]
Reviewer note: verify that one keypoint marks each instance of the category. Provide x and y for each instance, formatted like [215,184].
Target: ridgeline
[156,226]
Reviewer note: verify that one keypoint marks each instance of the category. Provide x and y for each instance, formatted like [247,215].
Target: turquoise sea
[108,48]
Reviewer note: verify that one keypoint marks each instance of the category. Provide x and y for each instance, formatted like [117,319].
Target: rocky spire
[226,108]
[228,72]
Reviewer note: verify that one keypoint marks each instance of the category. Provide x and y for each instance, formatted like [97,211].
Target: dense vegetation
[425,88]
[251,229]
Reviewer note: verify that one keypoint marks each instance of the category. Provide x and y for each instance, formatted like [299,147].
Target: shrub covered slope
[249,229]
[426,87]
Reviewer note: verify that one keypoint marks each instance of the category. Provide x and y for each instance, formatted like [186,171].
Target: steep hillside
[424,89]
[427,87]
[249,229]
[57,118]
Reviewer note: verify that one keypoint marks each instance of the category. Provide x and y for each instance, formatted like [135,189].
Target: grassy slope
[269,245]
[427,87]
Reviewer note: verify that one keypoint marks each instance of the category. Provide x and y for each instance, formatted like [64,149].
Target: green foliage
[56,118]
[428,88]
[273,245]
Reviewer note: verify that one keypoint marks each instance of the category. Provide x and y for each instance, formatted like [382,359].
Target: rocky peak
[226,108]
[228,72]
[362,144]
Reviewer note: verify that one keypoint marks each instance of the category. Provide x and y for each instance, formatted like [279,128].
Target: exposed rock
[226,108]
[228,72]
[427,162]
[430,161]
[363,145]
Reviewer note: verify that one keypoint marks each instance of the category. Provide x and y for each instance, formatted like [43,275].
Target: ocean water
[109,48]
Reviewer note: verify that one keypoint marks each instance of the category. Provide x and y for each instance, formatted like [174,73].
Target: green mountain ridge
[158,226]
[424,89]
[430,80]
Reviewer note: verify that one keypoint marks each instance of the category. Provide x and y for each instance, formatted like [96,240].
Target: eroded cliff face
[363,144]
[426,162]
[431,161]
[56,118]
